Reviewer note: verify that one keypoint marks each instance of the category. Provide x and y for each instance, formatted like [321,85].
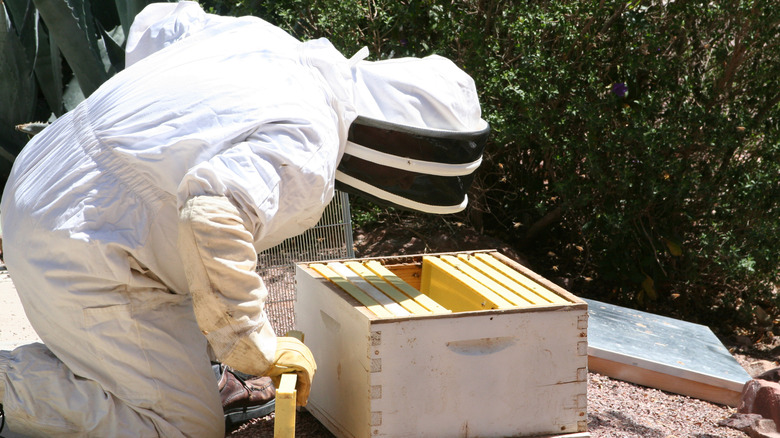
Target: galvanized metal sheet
[667,345]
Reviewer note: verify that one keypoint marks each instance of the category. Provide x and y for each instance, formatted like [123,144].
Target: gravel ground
[616,409]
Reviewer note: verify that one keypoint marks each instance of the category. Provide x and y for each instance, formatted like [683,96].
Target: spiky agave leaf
[17,82]
[48,70]
[72,25]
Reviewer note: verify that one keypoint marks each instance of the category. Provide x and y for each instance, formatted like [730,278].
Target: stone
[757,367]
[761,397]
[754,425]
[758,413]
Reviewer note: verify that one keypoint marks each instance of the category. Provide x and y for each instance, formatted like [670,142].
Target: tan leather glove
[292,356]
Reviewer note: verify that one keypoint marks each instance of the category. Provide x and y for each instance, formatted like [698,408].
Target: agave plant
[17,81]
[35,37]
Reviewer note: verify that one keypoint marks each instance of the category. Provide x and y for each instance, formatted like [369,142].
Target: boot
[244,397]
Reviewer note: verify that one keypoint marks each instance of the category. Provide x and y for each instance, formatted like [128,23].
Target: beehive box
[467,344]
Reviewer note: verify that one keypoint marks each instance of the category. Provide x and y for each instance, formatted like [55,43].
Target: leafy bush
[635,147]
[649,133]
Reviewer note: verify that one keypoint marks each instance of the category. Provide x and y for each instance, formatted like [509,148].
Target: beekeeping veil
[419,135]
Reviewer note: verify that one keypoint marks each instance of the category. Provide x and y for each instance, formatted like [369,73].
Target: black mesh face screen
[419,144]
[426,189]
[432,150]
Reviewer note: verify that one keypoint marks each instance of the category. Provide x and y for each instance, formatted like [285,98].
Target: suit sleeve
[271,186]
[228,295]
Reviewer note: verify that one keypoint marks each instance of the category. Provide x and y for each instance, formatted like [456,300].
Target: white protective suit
[227,125]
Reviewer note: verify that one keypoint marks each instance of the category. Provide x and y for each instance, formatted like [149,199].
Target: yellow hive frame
[449,283]
[398,283]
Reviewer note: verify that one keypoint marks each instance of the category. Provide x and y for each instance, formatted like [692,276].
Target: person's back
[172,125]
[232,111]
[133,222]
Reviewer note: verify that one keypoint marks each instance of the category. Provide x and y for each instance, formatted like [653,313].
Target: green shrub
[649,132]
[635,146]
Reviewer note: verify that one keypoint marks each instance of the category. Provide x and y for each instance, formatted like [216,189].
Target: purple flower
[620,89]
[404,41]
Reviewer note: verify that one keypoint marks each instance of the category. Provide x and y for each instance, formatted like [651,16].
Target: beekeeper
[132,223]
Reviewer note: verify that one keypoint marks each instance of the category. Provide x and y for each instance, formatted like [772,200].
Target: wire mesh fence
[330,239]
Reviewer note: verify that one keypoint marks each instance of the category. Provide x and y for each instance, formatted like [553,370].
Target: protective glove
[292,356]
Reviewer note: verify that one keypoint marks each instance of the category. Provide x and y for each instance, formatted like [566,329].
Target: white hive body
[475,363]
